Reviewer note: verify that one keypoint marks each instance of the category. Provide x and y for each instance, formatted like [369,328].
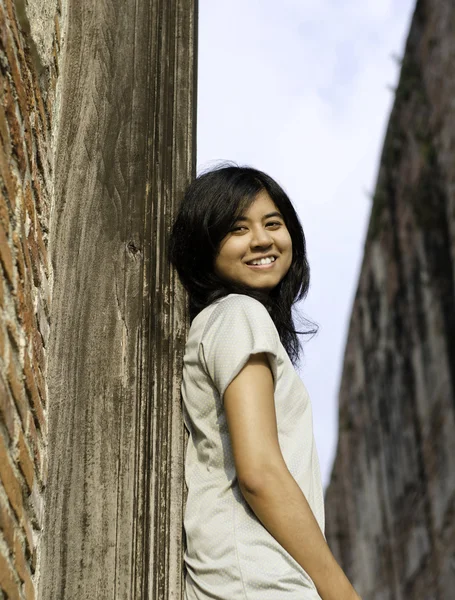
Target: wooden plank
[125,152]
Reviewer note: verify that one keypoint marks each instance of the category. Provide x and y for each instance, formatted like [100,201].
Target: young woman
[254,517]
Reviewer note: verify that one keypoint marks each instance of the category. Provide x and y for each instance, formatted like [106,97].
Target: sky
[302,89]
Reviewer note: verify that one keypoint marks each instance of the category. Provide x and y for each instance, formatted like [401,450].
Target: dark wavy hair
[207,213]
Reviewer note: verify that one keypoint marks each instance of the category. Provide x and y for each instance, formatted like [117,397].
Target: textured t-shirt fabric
[229,554]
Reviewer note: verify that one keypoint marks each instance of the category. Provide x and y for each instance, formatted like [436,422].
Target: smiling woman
[228,217]
[254,518]
[257,253]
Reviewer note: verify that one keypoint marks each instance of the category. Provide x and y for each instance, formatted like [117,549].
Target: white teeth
[263,261]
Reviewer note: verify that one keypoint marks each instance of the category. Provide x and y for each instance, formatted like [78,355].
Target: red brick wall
[26,110]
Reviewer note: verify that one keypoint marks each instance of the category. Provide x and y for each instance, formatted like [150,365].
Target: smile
[264,266]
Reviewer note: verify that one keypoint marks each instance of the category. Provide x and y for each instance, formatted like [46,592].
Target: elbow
[249,485]
[258,481]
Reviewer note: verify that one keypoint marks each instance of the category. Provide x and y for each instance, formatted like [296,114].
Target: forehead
[259,207]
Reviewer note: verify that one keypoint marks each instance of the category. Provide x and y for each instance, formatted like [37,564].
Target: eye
[274,224]
[239,228]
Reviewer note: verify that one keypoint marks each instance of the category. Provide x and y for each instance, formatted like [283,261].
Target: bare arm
[268,486]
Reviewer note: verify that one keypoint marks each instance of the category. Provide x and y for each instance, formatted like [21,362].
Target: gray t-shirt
[230,555]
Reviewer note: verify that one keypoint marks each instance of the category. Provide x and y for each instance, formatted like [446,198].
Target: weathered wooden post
[126,150]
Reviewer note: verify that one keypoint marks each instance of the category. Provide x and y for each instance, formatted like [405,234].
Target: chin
[266,286]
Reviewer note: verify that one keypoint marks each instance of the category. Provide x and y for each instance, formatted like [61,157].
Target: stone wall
[30,47]
[391,500]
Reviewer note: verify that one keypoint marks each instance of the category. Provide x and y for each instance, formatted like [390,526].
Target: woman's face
[258,233]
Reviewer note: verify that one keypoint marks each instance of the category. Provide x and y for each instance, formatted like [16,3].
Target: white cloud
[299,90]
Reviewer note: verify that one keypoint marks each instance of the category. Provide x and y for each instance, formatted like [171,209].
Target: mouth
[262,264]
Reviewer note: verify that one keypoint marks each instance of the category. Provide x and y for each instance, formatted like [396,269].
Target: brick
[24,307]
[15,129]
[16,75]
[4,128]
[3,349]
[20,298]
[13,334]
[9,102]
[15,26]
[24,302]
[6,256]
[25,254]
[25,310]
[24,71]
[8,524]
[20,199]
[20,562]
[42,249]
[30,383]
[32,436]
[9,516]
[40,156]
[29,590]
[31,559]
[39,138]
[17,242]
[4,212]
[17,142]
[7,579]
[39,203]
[30,547]
[36,505]
[28,202]
[8,179]
[36,93]
[25,461]
[11,485]
[39,379]
[13,22]
[38,350]
[43,320]
[36,404]
[7,409]
[19,558]
[18,391]
[33,247]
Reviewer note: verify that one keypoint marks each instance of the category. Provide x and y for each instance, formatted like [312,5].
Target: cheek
[287,244]
[221,263]
[232,250]
[225,259]
[289,261]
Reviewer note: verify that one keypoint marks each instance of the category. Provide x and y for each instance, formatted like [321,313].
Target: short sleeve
[238,327]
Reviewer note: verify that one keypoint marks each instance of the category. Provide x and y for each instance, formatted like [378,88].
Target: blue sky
[302,89]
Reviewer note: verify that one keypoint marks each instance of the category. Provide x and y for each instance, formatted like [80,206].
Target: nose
[261,237]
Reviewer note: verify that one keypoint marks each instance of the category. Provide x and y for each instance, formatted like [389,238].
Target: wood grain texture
[125,152]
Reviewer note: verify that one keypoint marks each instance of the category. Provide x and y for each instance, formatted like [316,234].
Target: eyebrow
[267,216]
